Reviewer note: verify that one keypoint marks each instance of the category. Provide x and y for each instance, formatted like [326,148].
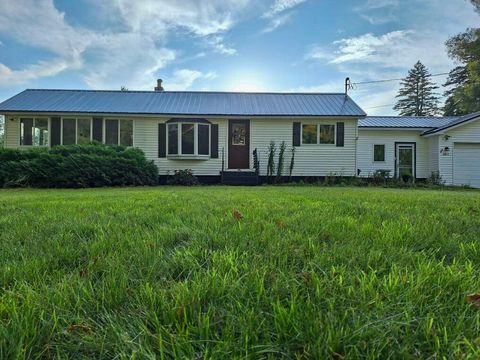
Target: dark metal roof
[182,103]
[427,122]
[456,121]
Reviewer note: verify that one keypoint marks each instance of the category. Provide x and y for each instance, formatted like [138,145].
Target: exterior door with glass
[238,144]
[405,160]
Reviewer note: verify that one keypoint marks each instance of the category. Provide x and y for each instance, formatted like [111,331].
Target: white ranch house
[219,135]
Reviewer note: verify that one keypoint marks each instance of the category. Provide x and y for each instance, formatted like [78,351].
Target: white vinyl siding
[434,153]
[368,138]
[467,133]
[12,132]
[310,159]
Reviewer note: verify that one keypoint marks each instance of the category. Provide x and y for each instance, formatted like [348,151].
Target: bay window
[185,139]
[34,131]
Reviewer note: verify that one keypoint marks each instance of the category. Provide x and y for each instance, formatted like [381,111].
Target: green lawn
[308,272]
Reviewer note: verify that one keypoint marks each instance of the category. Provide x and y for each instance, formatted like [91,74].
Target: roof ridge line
[194,92]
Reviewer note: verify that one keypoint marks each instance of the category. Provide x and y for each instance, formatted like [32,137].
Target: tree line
[417,95]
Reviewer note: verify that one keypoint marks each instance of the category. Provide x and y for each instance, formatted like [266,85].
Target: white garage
[466,164]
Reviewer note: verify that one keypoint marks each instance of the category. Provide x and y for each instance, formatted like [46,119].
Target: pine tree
[417,96]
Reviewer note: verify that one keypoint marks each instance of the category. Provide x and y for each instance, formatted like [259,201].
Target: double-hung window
[34,131]
[119,132]
[318,134]
[185,139]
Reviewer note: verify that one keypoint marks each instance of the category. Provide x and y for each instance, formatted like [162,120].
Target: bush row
[76,166]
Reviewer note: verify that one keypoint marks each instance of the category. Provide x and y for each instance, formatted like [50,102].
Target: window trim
[318,143]
[195,155]
[384,153]
[33,126]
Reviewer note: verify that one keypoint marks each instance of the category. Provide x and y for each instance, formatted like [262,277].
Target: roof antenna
[348,85]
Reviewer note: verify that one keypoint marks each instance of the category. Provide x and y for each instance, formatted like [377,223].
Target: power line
[389,80]
[379,106]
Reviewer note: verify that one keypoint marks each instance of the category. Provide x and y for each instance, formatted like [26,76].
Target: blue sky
[240,45]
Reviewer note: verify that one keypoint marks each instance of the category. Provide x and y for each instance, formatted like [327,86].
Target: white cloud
[371,48]
[395,50]
[126,59]
[183,79]
[378,4]
[159,16]
[216,42]
[132,56]
[31,72]
[282,5]
[26,22]
[278,21]
[279,14]
[378,12]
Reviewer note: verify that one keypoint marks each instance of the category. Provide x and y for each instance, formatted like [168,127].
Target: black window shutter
[162,140]
[340,133]
[97,131]
[214,141]
[296,134]
[55,131]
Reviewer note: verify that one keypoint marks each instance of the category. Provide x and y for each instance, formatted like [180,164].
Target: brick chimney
[159,86]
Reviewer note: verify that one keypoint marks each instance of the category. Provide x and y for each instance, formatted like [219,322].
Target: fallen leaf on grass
[337,356]
[79,327]
[280,224]
[84,272]
[306,276]
[474,299]
[237,215]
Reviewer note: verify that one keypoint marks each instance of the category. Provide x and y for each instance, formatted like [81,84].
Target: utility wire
[388,80]
[379,106]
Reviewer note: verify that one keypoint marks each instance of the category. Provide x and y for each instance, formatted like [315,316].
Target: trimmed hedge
[76,166]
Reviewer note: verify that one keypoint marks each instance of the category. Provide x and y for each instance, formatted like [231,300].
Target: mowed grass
[308,272]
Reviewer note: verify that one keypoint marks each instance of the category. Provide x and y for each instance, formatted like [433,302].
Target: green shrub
[380,177]
[76,166]
[435,179]
[183,177]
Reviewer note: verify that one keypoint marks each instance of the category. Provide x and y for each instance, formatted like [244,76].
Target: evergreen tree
[416,97]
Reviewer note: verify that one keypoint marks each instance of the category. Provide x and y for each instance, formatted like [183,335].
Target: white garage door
[466,164]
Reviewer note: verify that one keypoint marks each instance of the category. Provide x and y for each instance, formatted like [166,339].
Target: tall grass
[308,272]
